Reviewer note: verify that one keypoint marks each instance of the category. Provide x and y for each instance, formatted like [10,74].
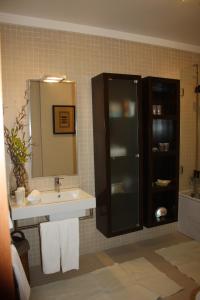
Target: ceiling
[174,20]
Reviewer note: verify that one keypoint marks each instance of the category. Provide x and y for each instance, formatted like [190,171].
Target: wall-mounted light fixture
[191,1]
[53,79]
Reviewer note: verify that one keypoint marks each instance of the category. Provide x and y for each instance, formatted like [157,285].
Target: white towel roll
[69,243]
[50,247]
[60,245]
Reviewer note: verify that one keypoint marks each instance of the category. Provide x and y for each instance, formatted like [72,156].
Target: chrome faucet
[57,183]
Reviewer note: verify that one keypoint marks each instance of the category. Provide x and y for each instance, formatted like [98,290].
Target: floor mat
[133,280]
[185,256]
[148,276]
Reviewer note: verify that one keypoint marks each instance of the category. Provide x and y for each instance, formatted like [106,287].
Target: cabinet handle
[137,155]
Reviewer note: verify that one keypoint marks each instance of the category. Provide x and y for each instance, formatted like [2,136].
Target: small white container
[20,195]
[117,188]
[159,110]
[154,109]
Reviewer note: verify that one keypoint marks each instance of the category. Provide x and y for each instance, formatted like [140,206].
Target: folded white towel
[69,243]
[34,196]
[50,247]
[23,285]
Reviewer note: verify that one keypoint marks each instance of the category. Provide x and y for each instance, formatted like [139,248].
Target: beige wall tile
[29,53]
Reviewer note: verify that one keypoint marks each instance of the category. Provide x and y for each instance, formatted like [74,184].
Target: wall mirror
[53,128]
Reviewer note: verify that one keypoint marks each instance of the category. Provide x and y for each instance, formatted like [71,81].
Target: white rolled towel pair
[34,197]
[60,245]
[22,282]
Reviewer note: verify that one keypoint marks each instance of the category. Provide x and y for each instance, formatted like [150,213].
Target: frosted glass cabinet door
[117,113]
[124,153]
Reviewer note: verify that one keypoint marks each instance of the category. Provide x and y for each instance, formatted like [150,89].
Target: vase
[21,177]
[12,183]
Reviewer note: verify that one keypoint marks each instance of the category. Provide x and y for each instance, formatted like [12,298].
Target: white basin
[63,196]
[69,202]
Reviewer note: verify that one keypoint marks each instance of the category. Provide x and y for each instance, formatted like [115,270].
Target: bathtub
[189,215]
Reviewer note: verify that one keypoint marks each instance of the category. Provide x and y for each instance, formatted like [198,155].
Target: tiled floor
[145,249]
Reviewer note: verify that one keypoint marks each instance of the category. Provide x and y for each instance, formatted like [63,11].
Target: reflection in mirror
[52,124]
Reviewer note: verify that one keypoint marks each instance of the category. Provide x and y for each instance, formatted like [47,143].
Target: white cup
[154,109]
[20,195]
[159,110]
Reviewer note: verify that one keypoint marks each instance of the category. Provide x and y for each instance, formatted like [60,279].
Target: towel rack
[24,227]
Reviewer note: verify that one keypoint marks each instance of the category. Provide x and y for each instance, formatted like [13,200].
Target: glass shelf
[163,220]
[121,157]
[164,117]
[164,153]
[121,118]
[170,187]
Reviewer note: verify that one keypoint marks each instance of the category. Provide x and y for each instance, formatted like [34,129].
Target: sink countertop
[67,200]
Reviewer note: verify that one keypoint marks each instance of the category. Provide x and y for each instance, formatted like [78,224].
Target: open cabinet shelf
[163,189]
[161,118]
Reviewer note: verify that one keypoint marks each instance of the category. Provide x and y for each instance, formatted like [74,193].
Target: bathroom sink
[56,205]
[62,196]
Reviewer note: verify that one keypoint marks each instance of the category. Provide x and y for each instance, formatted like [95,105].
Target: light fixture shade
[53,79]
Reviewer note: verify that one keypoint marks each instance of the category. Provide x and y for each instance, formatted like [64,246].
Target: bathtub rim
[185,194]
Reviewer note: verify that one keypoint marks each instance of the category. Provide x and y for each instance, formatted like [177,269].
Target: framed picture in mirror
[63,119]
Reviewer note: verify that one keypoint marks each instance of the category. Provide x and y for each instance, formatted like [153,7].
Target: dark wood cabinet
[161,121]
[117,152]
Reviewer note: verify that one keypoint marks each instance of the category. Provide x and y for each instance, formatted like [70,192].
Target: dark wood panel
[100,153]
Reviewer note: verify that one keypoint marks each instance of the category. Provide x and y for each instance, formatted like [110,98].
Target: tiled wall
[29,53]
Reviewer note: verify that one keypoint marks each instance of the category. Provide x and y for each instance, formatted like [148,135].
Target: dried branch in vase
[18,148]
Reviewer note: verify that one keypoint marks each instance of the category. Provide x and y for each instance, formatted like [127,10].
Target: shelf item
[128,108]
[117,188]
[162,182]
[125,108]
[161,149]
[157,110]
[160,212]
[115,110]
[117,152]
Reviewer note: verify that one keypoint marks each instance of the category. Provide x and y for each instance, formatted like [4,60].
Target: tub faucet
[57,183]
